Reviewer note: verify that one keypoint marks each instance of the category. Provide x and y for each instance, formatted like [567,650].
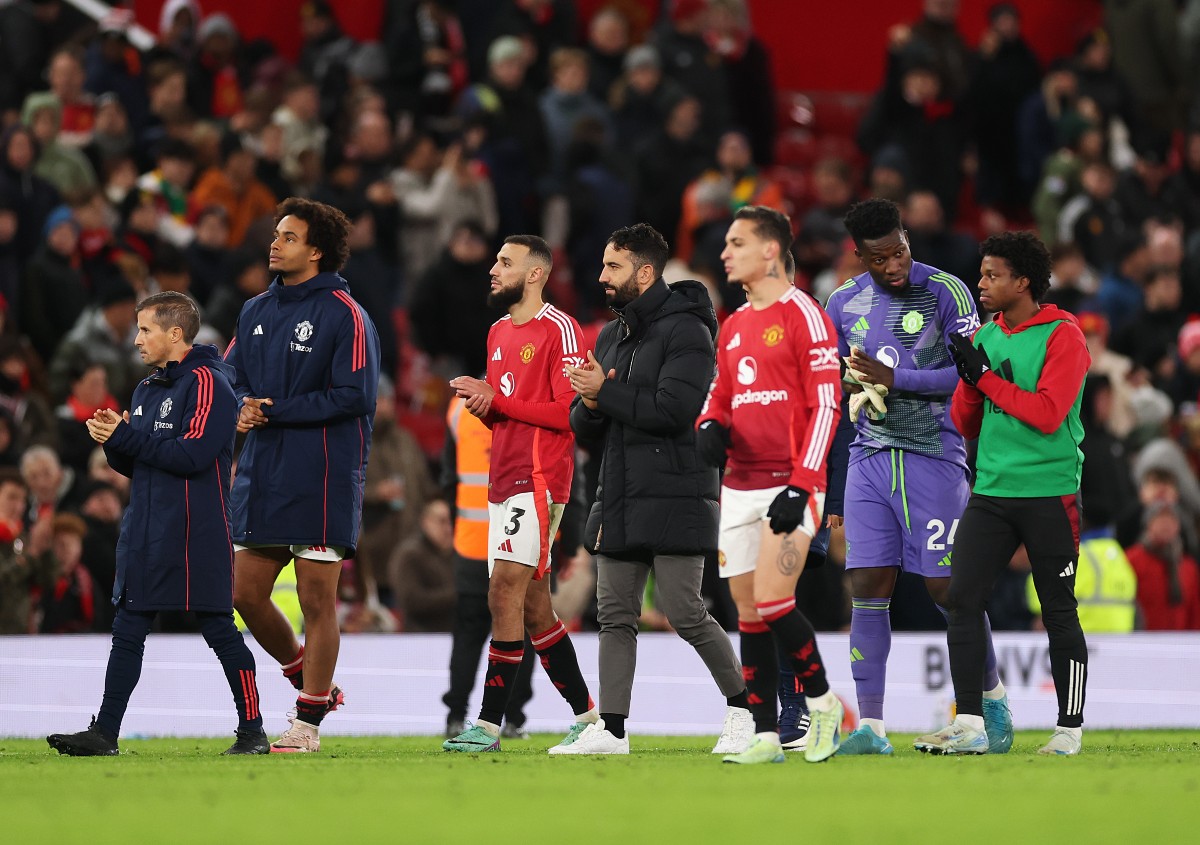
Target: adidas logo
[495,682]
[496,354]
[137,412]
[257,329]
[862,325]
[1069,571]
[736,342]
[856,655]
[944,561]
[506,546]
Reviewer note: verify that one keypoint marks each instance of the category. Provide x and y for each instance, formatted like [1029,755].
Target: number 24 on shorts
[937,529]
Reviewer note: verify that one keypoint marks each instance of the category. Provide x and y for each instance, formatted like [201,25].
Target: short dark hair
[539,250]
[770,225]
[171,309]
[1027,256]
[871,219]
[12,475]
[645,243]
[328,230]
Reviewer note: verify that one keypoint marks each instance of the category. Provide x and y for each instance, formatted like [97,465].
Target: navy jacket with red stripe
[313,351]
[176,550]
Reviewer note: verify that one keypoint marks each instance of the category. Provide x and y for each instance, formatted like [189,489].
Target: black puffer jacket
[655,495]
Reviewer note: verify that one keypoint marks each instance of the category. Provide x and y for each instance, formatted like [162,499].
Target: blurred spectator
[89,393]
[64,167]
[1168,579]
[51,486]
[912,117]
[1072,282]
[68,605]
[53,293]
[426,55]
[207,255]
[888,177]
[1185,387]
[739,180]
[1106,480]
[66,76]
[299,116]
[422,572]
[564,105]
[542,25]
[325,52]
[448,309]
[642,98]
[747,65]
[101,508]
[1163,475]
[607,46]
[1147,53]
[376,285]
[1121,417]
[516,148]
[688,59]
[247,276]
[166,90]
[31,30]
[1149,339]
[215,80]
[933,242]
[1148,191]
[103,334]
[935,38]
[822,232]
[1062,174]
[398,486]
[113,64]
[178,21]
[24,564]
[10,265]
[1120,294]
[1099,80]
[234,188]
[31,197]
[1006,74]
[1039,118]
[168,185]
[22,394]
[100,472]
[111,139]
[1093,218]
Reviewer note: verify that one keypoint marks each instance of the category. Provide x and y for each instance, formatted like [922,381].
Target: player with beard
[893,325]
[526,402]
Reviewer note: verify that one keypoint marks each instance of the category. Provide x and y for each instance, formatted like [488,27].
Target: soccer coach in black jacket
[656,502]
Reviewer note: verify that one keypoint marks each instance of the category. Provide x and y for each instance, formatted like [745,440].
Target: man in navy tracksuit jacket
[306,359]
[175,550]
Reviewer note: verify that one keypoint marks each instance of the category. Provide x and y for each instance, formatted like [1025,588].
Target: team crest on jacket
[165,408]
[773,335]
[527,353]
[304,331]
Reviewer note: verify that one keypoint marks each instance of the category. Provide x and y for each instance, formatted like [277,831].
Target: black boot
[94,742]
[250,742]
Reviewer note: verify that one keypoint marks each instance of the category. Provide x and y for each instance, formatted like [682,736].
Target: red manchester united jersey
[777,389]
[533,449]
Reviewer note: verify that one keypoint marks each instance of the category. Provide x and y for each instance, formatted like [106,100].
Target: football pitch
[1128,786]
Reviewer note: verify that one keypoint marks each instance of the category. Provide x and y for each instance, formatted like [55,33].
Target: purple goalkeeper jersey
[908,332]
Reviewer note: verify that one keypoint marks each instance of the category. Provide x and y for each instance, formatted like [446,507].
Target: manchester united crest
[304,331]
[527,353]
[773,335]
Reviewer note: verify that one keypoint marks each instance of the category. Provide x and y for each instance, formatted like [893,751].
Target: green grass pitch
[1139,787]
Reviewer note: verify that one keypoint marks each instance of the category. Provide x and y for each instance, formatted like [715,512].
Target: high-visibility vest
[473,449]
[286,599]
[1105,587]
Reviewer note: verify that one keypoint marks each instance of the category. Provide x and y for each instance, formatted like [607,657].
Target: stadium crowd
[126,172]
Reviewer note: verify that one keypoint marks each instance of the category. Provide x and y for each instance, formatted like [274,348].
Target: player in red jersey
[526,402]
[771,412]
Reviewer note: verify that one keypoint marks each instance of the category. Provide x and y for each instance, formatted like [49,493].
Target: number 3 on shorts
[516,513]
[937,528]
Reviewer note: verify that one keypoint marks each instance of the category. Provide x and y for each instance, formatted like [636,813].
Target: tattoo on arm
[789,559]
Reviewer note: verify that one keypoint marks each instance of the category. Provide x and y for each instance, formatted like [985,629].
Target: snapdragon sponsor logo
[759,397]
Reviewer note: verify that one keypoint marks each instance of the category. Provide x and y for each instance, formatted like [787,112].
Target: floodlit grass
[1140,787]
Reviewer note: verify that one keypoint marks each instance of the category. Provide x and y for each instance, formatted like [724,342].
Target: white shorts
[323,554]
[743,518]
[521,530]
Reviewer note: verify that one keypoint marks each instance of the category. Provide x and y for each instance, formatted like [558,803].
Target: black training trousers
[990,531]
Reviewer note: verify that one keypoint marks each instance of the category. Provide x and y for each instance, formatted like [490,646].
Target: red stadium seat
[795,148]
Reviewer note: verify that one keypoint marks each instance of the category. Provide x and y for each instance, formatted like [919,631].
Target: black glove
[712,442]
[972,362]
[787,511]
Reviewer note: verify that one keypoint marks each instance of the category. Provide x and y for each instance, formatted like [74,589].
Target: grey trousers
[620,585]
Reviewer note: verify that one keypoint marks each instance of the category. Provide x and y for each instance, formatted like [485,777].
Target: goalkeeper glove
[712,442]
[787,511]
[972,362]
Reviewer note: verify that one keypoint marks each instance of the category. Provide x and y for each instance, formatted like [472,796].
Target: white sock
[769,736]
[975,723]
[1075,732]
[824,703]
[490,727]
[995,694]
[875,725]
[589,718]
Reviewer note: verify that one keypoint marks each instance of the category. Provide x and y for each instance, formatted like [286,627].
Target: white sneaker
[738,732]
[595,739]
[1065,742]
[300,737]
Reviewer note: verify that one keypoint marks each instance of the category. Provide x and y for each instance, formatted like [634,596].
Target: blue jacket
[175,551]
[313,351]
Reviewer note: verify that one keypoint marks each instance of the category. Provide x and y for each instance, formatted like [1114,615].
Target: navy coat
[175,551]
[314,352]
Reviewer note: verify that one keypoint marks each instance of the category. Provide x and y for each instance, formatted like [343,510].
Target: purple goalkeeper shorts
[903,509]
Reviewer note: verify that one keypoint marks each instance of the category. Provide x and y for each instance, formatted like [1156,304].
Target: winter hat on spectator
[504,48]
[58,216]
[643,55]
[218,23]
[1189,338]
[1092,323]
[115,292]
